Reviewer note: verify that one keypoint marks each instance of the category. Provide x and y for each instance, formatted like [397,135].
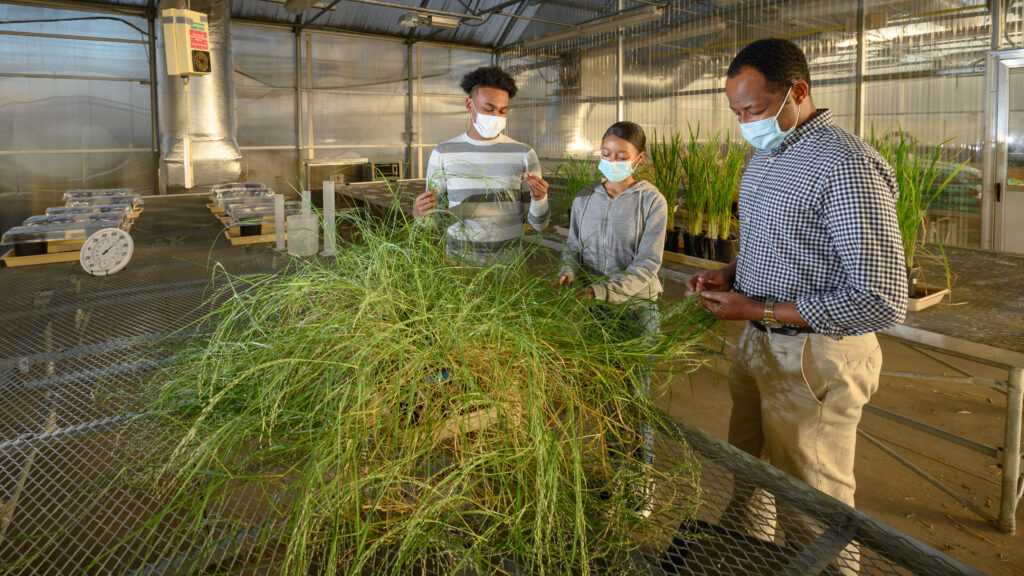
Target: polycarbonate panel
[277,169]
[355,64]
[67,57]
[51,114]
[440,70]
[340,118]
[73,22]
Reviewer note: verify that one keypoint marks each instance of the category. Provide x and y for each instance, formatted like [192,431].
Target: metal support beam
[409,106]
[298,106]
[318,14]
[862,62]
[619,66]
[967,503]
[996,11]
[153,112]
[1011,453]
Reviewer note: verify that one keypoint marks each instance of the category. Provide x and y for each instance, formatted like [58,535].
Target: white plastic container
[303,235]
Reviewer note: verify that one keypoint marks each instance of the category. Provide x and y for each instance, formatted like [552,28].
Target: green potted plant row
[666,173]
[917,171]
[713,170]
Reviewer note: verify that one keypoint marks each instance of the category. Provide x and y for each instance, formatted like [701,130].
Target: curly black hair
[489,77]
[780,61]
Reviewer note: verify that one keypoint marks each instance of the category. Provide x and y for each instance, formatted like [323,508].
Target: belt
[784,330]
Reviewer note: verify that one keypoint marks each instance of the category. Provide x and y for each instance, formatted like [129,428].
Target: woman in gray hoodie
[615,245]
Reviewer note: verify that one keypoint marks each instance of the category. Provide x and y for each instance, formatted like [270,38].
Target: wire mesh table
[74,347]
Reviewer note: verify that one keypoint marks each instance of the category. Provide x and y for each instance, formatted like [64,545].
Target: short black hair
[489,77]
[630,132]
[780,61]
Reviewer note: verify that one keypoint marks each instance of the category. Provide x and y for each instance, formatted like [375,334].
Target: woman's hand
[588,293]
[563,280]
[538,186]
[424,204]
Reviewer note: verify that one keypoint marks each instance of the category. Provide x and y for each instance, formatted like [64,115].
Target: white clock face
[106,252]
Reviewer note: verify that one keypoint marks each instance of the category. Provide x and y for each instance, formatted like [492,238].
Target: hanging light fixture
[412,20]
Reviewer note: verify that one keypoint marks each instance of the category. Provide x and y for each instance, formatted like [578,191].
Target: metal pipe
[410,90]
[996,8]
[154,105]
[862,62]
[319,14]
[619,70]
[967,503]
[74,77]
[310,138]
[72,37]
[419,10]
[939,378]
[298,106]
[1011,452]
[948,436]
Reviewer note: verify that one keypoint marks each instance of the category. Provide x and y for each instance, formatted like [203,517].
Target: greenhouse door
[1003,209]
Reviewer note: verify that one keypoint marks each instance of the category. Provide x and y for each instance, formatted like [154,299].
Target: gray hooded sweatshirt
[618,240]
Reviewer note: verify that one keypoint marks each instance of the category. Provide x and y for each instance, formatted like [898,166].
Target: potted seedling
[701,171]
[666,173]
[723,190]
[917,173]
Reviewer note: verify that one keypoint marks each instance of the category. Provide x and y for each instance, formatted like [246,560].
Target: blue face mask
[766,134]
[615,171]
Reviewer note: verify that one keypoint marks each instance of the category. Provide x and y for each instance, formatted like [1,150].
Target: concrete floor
[887,490]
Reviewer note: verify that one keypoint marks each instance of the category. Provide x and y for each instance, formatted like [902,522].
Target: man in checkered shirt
[820,269]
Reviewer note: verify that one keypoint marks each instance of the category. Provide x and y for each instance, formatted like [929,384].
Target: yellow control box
[186,42]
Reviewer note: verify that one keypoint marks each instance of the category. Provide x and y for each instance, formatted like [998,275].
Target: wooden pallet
[261,238]
[217,210]
[9,259]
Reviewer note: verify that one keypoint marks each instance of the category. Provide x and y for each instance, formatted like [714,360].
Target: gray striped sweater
[487,197]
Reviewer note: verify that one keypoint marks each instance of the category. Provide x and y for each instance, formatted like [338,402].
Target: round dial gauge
[106,252]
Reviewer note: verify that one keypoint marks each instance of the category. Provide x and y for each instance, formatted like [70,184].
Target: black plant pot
[672,240]
[697,245]
[912,276]
[724,250]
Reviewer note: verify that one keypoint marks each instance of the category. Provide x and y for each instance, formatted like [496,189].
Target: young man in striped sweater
[491,182]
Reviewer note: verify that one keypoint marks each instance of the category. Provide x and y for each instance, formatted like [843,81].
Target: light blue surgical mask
[615,171]
[766,134]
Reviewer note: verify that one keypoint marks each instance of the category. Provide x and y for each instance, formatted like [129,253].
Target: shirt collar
[821,119]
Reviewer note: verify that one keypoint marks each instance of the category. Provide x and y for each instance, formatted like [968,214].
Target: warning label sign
[198,40]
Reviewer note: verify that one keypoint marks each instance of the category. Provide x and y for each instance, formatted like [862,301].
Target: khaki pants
[797,400]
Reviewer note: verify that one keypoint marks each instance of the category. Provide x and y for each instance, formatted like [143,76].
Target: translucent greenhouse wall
[74,112]
[923,72]
[77,113]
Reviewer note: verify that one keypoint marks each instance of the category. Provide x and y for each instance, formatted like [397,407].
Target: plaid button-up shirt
[818,227]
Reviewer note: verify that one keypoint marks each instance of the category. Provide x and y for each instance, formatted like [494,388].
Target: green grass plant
[666,170]
[917,175]
[724,187]
[701,170]
[327,414]
[578,173]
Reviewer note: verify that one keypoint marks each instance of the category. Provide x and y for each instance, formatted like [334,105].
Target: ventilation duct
[199,122]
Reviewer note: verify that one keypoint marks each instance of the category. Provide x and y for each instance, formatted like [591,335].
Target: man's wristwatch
[769,320]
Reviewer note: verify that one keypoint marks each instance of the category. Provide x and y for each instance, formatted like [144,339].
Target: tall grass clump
[578,173]
[388,411]
[700,166]
[729,161]
[917,172]
[666,171]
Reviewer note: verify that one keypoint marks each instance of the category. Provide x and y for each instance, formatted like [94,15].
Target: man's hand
[731,306]
[538,186]
[710,280]
[563,280]
[425,203]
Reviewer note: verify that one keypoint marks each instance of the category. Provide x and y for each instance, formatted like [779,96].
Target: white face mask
[766,134]
[487,126]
